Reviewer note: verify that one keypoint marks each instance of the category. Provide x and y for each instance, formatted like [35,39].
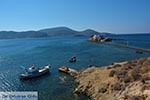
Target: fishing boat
[64,69]
[68,70]
[73,59]
[35,72]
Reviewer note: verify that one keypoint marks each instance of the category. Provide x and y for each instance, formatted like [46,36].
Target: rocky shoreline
[118,81]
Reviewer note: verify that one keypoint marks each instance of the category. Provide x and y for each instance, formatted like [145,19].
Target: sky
[115,16]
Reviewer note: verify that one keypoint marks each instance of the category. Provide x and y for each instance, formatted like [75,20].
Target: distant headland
[48,32]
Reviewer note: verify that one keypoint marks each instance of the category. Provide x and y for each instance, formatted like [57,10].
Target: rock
[109,67]
[127,79]
[116,65]
[146,76]
[135,98]
[127,67]
[117,87]
[141,61]
[112,72]
[120,81]
[89,70]
[144,61]
[146,92]
[121,72]
[148,98]
[135,75]
[103,90]
[145,69]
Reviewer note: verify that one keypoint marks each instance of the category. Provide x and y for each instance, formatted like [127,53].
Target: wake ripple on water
[5,84]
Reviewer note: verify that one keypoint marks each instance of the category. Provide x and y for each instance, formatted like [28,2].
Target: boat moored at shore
[68,70]
[34,72]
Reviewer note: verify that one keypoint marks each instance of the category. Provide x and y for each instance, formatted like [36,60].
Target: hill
[59,31]
[90,32]
[49,32]
[25,34]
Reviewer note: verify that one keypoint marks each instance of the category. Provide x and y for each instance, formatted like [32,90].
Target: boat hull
[29,76]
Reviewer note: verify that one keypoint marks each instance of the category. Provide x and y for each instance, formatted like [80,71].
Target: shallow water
[56,51]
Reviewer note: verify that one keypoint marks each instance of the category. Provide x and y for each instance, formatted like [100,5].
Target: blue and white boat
[35,72]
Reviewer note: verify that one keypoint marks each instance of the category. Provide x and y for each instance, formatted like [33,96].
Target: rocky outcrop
[118,81]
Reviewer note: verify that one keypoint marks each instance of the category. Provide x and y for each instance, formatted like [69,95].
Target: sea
[56,51]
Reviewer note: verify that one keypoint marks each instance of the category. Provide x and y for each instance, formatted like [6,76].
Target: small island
[99,38]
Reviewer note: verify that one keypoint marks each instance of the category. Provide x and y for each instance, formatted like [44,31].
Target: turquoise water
[56,51]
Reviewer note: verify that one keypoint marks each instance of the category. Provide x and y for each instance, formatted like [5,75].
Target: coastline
[129,80]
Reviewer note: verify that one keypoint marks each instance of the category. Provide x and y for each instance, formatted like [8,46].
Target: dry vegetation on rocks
[119,81]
